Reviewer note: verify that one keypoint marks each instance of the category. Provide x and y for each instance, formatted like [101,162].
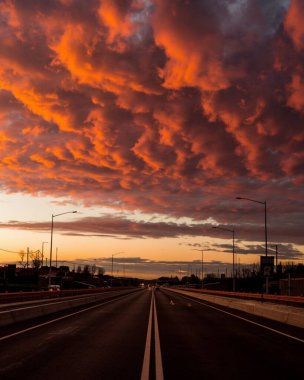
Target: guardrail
[27,312]
[285,300]
[37,295]
[284,313]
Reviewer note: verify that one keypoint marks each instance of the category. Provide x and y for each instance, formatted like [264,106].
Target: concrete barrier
[24,313]
[286,314]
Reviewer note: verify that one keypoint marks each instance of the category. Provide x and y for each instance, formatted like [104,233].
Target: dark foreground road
[151,335]
[202,342]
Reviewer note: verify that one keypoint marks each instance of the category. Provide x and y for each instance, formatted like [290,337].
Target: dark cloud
[153,268]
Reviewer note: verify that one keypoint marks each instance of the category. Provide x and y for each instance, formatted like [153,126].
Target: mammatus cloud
[159,106]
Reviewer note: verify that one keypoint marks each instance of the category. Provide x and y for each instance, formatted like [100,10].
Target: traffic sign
[267,266]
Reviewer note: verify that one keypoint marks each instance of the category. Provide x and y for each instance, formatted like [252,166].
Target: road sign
[267,265]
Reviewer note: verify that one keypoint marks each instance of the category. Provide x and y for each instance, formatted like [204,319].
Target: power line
[5,250]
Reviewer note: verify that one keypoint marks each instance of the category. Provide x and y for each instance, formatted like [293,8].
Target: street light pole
[265,219]
[51,245]
[265,227]
[233,252]
[202,269]
[113,254]
[202,263]
[44,242]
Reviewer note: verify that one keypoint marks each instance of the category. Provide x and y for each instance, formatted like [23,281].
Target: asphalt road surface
[151,335]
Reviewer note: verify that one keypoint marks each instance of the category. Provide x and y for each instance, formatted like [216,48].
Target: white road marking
[60,318]
[146,363]
[158,358]
[145,373]
[247,320]
[48,302]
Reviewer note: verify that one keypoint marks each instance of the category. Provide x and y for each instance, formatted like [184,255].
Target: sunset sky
[149,117]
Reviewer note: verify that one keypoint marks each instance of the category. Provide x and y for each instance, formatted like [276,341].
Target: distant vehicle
[157,287]
[53,288]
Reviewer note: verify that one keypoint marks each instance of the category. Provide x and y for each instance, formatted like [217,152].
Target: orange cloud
[116,19]
[163,106]
[194,54]
[294,23]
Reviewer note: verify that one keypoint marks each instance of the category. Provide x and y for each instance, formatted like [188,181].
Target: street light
[44,242]
[233,272]
[265,216]
[202,264]
[113,254]
[51,247]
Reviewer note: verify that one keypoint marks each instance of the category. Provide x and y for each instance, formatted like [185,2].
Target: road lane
[199,342]
[21,313]
[60,299]
[104,343]
[178,337]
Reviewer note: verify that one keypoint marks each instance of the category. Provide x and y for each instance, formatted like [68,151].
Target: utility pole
[202,269]
[42,256]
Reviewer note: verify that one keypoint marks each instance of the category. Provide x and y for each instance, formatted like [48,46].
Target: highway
[150,335]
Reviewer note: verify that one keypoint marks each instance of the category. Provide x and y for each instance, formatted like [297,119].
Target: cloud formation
[137,266]
[159,106]
[123,228]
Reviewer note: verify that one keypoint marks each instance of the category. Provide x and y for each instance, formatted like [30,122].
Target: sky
[149,117]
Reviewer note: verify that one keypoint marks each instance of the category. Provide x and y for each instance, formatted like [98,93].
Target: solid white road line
[60,318]
[158,358]
[245,319]
[146,363]
[46,303]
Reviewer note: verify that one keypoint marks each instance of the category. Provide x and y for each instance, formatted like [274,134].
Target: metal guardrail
[37,295]
[287,300]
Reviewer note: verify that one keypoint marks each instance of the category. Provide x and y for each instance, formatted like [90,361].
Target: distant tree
[194,279]
[246,272]
[36,258]
[86,272]
[185,280]
[279,269]
[93,269]
[101,271]
[22,256]
[79,269]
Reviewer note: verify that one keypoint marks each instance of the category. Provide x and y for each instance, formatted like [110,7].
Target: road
[147,335]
